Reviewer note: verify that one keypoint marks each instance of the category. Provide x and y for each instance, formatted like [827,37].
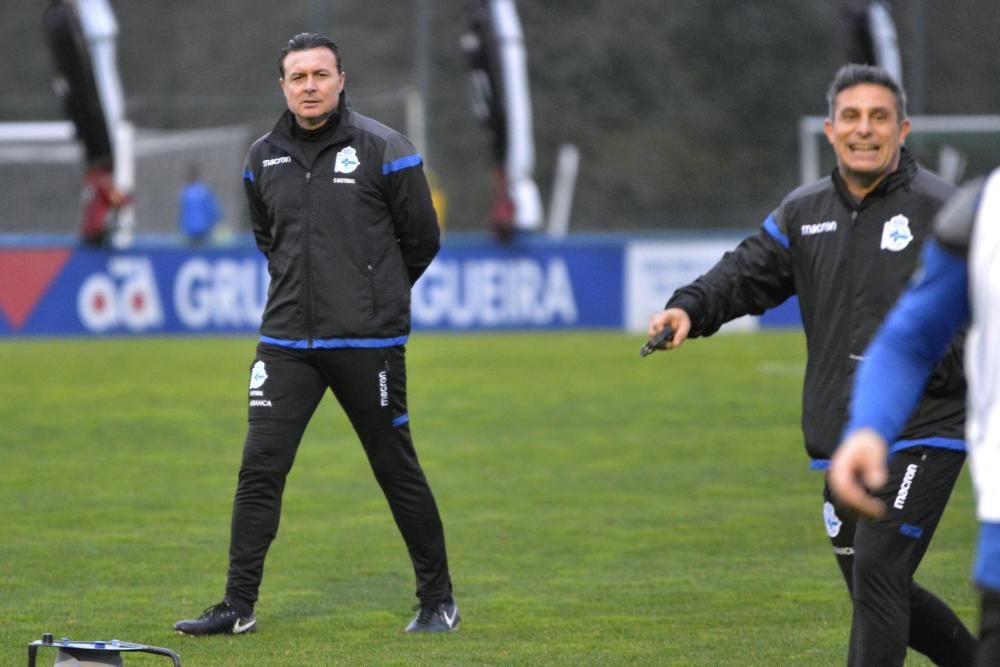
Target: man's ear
[904,131]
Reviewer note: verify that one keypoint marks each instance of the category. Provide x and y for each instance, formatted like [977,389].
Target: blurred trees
[685,111]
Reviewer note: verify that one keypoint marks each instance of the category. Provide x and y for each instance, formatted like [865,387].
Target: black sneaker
[435,617]
[220,619]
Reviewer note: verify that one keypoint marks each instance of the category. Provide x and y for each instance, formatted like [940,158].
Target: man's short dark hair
[305,41]
[854,74]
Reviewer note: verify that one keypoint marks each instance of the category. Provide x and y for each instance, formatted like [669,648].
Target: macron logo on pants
[904,488]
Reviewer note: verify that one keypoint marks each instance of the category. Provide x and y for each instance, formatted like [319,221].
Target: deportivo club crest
[346,161]
[896,233]
[832,521]
[257,375]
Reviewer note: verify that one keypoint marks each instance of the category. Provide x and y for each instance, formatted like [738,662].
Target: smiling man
[341,208]
[867,127]
[846,246]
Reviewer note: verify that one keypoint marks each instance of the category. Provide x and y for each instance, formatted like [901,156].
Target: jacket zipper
[851,302]
[307,280]
[371,284]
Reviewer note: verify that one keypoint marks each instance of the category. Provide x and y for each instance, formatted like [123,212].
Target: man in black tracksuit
[342,210]
[847,246]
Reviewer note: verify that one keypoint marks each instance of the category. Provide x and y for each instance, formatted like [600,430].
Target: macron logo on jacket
[819,228]
[276,160]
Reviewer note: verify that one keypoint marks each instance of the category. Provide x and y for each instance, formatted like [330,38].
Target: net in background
[40,180]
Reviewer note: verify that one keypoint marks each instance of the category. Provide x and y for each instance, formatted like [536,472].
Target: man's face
[866,134]
[312,85]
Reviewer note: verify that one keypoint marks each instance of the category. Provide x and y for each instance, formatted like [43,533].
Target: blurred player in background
[198,209]
[340,206]
[959,283]
[501,99]
[81,36]
[874,41]
[846,245]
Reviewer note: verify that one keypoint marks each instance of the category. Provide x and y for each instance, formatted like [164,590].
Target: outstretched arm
[754,276]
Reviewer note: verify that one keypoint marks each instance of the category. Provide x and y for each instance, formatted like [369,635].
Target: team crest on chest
[346,161]
[896,233]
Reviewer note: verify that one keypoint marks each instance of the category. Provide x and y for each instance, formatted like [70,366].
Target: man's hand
[859,464]
[677,319]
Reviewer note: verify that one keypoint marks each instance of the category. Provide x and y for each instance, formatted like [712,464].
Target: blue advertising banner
[537,286]
[173,290]
[164,290]
[474,284]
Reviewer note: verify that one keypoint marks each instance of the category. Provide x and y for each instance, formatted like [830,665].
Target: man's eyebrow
[306,70]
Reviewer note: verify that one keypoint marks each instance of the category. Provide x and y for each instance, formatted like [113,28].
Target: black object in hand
[656,342]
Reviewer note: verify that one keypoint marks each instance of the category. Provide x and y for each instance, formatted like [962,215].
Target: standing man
[341,209]
[846,246]
[958,284]
[874,40]
[81,36]
[501,100]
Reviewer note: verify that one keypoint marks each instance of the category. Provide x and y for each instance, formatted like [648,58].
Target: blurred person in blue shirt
[199,209]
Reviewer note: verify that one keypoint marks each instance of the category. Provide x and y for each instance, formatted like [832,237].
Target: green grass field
[600,508]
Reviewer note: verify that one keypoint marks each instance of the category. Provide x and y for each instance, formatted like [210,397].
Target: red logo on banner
[25,277]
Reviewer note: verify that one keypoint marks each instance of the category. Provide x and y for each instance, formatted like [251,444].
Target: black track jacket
[847,263]
[345,235]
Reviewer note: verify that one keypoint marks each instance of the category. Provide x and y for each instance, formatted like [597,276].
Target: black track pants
[989,630]
[286,385]
[878,560]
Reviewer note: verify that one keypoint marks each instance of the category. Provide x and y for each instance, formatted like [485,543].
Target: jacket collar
[901,177]
[283,134]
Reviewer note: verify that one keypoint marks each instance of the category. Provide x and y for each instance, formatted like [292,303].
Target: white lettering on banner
[223,293]
[125,296]
[654,269]
[493,292]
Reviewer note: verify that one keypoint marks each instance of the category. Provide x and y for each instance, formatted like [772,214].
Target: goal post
[36,131]
[54,142]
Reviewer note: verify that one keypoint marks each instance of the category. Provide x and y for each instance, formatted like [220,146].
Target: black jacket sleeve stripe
[409,198]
